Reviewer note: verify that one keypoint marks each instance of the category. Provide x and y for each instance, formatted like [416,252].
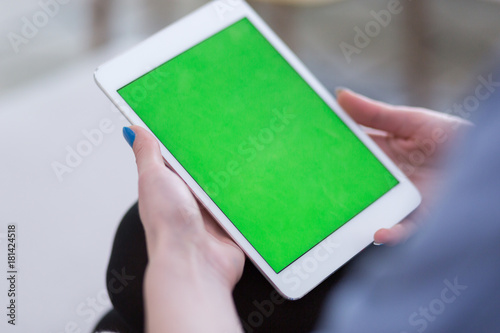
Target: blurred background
[67,192]
[427,55]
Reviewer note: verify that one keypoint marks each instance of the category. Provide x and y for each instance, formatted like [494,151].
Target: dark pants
[259,306]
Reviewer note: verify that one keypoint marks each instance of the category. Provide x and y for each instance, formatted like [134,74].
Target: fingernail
[378,244]
[129,135]
[338,90]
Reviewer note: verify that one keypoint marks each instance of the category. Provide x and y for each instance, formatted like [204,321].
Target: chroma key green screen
[260,141]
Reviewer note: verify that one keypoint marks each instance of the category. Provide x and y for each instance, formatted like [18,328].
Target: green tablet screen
[272,155]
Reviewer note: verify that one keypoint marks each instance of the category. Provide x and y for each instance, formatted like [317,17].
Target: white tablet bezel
[309,270]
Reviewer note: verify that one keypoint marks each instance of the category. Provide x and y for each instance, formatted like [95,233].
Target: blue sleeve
[446,278]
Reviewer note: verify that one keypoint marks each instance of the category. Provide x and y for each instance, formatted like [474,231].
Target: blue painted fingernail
[129,135]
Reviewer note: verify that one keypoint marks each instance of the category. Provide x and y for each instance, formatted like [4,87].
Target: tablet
[260,142]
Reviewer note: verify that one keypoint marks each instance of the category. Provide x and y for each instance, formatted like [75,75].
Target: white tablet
[260,142]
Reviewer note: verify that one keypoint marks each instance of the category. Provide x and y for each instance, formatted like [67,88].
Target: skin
[404,133]
[194,265]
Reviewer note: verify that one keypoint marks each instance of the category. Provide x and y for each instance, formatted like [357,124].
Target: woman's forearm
[190,299]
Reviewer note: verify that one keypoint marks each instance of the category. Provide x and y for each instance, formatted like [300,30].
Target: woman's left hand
[193,264]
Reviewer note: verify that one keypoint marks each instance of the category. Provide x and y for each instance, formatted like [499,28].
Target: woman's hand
[193,264]
[413,138]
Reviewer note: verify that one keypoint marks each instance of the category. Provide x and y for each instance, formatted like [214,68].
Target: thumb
[163,196]
[146,149]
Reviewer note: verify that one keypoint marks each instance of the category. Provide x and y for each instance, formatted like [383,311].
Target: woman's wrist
[187,282]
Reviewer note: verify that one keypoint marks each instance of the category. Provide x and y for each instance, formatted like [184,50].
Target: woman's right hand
[414,138]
